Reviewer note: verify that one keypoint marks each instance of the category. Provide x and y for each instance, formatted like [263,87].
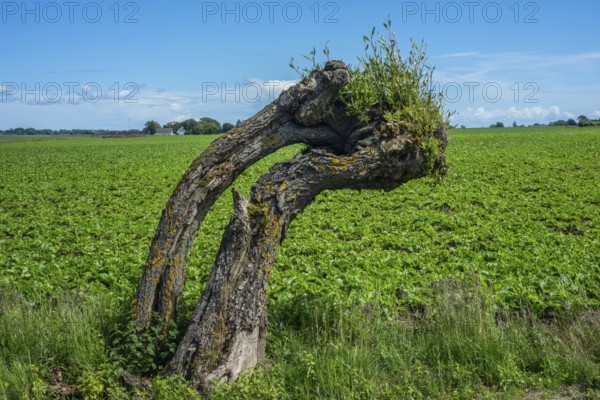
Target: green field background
[518,214]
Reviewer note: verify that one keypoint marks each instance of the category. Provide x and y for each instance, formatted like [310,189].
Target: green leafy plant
[388,87]
[145,351]
[103,381]
[386,84]
[261,384]
[400,88]
[168,388]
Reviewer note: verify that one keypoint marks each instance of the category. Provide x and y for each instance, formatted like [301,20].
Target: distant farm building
[181,131]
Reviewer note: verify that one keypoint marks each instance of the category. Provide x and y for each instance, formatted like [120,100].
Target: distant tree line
[585,121]
[203,126]
[582,121]
[562,122]
[32,131]
[210,126]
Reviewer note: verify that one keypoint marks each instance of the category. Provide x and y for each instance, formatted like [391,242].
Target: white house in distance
[181,131]
[164,132]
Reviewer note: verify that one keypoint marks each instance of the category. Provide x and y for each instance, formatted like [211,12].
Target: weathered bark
[294,117]
[228,329]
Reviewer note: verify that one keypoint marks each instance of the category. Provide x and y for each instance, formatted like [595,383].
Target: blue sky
[110,64]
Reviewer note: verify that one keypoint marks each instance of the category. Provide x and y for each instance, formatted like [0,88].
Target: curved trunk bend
[227,331]
[293,118]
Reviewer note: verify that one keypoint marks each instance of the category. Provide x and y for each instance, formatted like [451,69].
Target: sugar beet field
[516,220]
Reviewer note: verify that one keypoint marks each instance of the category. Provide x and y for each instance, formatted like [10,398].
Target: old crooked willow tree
[227,332]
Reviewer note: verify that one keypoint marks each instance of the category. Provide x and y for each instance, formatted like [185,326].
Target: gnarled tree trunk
[228,328]
[227,331]
[294,117]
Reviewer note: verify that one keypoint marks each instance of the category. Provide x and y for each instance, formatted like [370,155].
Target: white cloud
[546,70]
[181,118]
[482,115]
[596,114]
[135,106]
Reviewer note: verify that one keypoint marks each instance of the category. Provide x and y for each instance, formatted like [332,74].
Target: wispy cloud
[482,64]
[458,55]
[522,86]
[527,115]
[224,102]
